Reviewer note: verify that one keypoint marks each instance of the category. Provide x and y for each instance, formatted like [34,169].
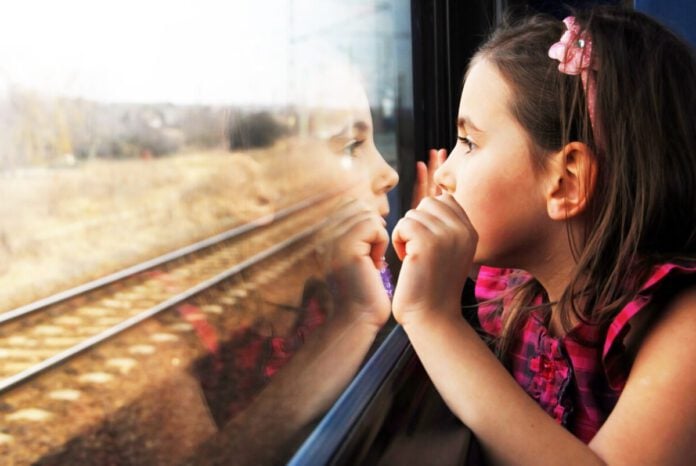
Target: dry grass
[62,227]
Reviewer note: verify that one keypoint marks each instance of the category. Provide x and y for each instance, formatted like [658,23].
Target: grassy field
[61,227]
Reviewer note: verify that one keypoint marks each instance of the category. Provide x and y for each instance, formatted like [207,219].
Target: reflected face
[340,115]
[356,147]
[490,173]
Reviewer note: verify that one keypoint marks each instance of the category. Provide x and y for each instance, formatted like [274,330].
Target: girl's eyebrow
[464,122]
[359,127]
[344,132]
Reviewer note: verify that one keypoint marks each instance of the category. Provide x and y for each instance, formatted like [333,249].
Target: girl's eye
[469,143]
[350,148]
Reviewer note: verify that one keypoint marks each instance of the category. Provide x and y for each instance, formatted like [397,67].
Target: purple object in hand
[386,275]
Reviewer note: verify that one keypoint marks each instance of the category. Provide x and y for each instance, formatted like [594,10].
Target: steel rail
[168,257]
[12,381]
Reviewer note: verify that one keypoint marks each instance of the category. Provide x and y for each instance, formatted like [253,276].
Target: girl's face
[359,154]
[490,173]
[341,117]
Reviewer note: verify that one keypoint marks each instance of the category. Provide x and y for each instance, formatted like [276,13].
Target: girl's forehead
[484,100]
[348,122]
[336,99]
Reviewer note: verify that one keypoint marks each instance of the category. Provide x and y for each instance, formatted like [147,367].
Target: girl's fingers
[399,246]
[441,156]
[432,166]
[425,183]
[379,242]
[347,214]
[404,231]
[420,189]
[343,224]
[440,217]
[435,160]
[415,224]
[449,201]
[445,208]
[429,220]
[360,233]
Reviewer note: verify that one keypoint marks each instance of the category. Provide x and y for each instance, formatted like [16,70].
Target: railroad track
[39,336]
[132,397]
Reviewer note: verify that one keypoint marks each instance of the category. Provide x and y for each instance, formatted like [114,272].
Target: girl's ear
[571,180]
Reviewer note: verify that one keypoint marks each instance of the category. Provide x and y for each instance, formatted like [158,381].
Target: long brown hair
[643,207]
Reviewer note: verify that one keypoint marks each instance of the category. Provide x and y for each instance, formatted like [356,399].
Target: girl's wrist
[447,312]
[355,314]
[429,328]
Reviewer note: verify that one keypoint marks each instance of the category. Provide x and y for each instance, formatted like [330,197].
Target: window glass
[179,181]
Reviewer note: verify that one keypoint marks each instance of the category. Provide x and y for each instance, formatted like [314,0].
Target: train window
[178,182]
[676,15]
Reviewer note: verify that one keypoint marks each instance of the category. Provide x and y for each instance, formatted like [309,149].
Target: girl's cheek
[460,197]
[465,192]
[476,200]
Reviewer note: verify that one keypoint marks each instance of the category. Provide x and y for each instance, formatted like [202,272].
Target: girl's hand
[425,185]
[436,243]
[358,243]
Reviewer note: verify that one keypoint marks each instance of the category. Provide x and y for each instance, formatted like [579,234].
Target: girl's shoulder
[661,286]
[657,398]
[628,329]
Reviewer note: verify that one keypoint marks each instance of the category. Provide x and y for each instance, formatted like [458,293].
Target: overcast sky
[181,51]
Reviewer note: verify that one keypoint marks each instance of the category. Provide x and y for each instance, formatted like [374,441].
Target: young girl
[575,163]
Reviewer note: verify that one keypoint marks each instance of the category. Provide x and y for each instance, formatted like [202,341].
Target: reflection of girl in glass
[305,369]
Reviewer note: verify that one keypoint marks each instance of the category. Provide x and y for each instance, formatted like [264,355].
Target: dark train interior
[177,178]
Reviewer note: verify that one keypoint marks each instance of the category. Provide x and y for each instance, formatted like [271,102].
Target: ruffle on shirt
[491,291]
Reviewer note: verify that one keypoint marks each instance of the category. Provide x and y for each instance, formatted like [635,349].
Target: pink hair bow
[574,52]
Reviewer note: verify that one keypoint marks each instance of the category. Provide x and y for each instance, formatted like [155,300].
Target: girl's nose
[444,178]
[385,179]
